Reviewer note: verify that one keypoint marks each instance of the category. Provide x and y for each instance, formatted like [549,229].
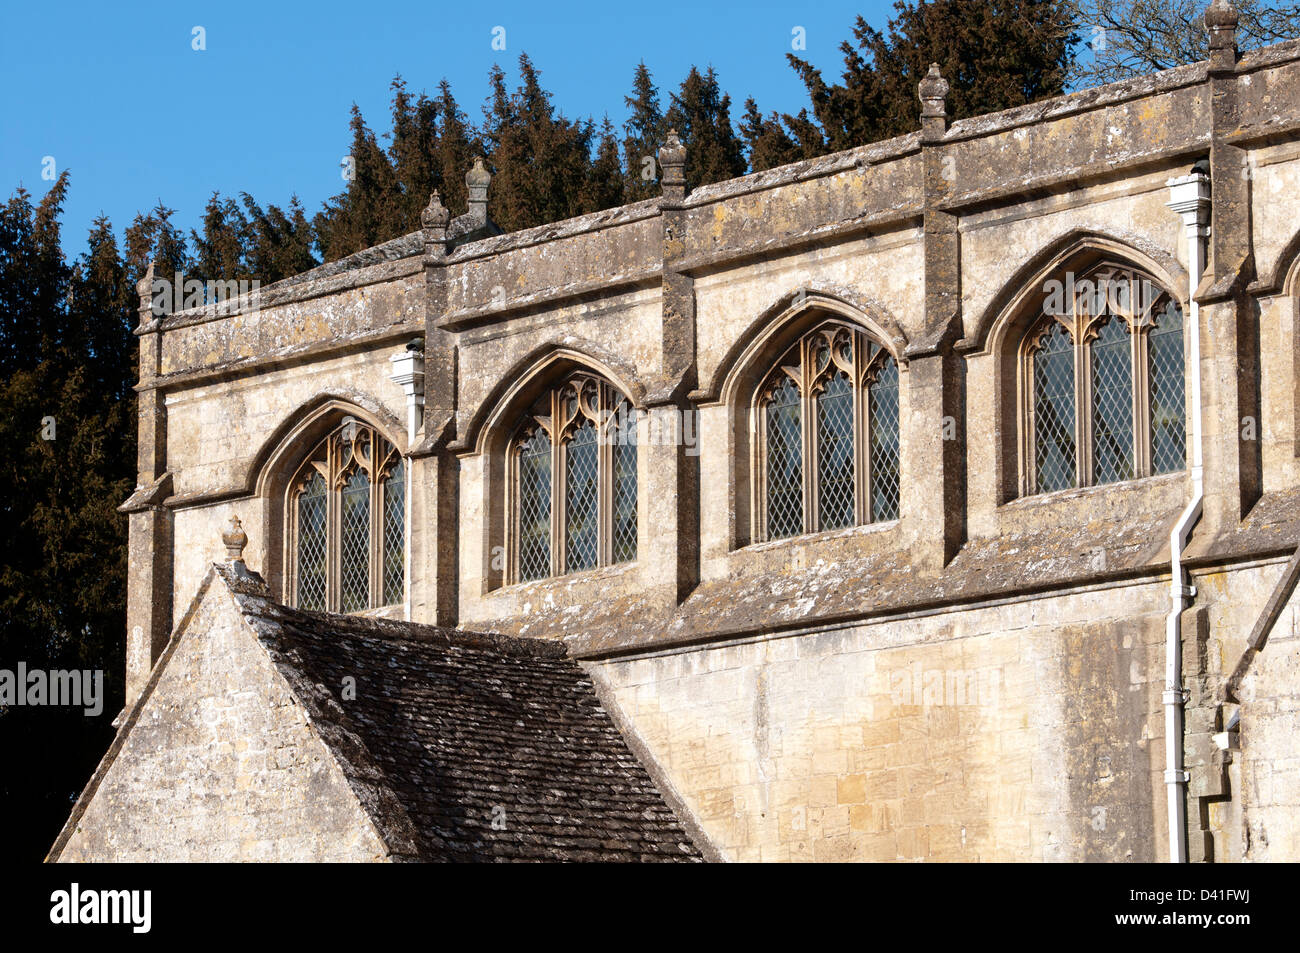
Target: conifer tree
[767,143]
[368,212]
[994,56]
[604,187]
[280,242]
[539,158]
[67,424]
[455,151]
[643,134]
[219,251]
[413,152]
[701,114]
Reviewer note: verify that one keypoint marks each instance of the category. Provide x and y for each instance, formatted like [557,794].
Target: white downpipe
[1189,197]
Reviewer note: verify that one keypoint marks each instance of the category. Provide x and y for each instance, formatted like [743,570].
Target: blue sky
[115,93]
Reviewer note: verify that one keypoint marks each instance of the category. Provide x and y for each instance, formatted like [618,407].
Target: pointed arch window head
[573,500]
[1102,374]
[346,518]
[827,423]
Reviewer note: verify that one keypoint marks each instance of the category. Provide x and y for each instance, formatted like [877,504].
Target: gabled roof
[467,747]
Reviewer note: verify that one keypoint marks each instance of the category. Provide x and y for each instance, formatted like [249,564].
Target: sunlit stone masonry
[934,500]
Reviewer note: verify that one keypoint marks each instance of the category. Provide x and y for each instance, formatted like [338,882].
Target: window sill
[599,574]
[1083,492]
[814,538]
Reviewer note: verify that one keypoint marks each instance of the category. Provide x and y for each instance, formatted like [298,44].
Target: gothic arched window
[827,419]
[1103,370]
[346,520]
[573,482]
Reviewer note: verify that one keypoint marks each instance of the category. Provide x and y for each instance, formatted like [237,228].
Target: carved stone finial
[477,179]
[144,289]
[934,91]
[435,215]
[1221,15]
[1221,23]
[235,539]
[672,159]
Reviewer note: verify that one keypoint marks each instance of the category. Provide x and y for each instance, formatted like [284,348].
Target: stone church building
[934,500]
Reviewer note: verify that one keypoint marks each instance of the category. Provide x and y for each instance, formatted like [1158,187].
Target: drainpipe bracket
[1176,777]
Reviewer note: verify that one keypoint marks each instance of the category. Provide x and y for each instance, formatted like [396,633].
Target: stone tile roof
[466,728]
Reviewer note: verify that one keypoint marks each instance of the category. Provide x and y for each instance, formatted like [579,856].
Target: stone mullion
[758,476]
[807,431]
[333,545]
[559,503]
[374,573]
[861,436]
[1141,381]
[604,480]
[1082,355]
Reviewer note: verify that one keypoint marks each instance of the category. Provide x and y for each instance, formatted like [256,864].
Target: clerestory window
[1102,373]
[573,482]
[346,520]
[827,423]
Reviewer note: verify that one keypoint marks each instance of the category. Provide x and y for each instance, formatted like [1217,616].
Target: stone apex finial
[478,177]
[144,286]
[235,539]
[1221,15]
[933,90]
[435,215]
[672,154]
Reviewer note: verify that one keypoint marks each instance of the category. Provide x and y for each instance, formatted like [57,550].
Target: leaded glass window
[1112,403]
[1165,371]
[827,417]
[347,524]
[785,461]
[535,506]
[883,404]
[835,452]
[1104,369]
[395,535]
[574,483]
[1054,445]
[311,544]
[624,483]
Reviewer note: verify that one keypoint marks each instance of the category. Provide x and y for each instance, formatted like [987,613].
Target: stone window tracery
[573,482]
[346,522]
[828,447]
[1103,382]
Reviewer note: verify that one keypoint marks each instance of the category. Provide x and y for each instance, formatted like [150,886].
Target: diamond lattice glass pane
[354,550]
[535,508]
[395,535]
[582,493]
[835,453]
[1112,403]
[1054,411]
[885,483]
[784,463]
[624,484]
[1168,420]
[311,545]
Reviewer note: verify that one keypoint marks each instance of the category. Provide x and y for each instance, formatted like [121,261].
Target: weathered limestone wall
[1269,769]
[1255,816]
[1026,731]
[221,765]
